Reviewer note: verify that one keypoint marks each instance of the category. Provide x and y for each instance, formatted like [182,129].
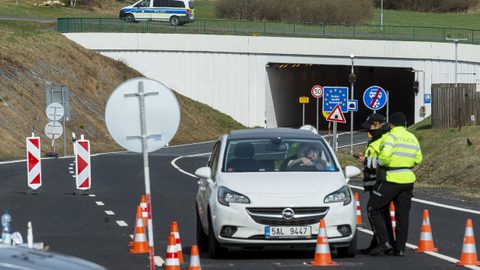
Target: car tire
[202,237]
[349,251]
[214,249]
[129,18]
[175,20]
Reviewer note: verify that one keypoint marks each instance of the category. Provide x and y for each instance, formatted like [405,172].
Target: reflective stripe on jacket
[400,149]
[371,160]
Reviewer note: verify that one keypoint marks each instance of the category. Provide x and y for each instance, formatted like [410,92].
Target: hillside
[32,59]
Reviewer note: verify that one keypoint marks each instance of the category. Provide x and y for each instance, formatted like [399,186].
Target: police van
[177,12]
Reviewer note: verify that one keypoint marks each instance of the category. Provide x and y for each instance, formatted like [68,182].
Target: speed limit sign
[317,91]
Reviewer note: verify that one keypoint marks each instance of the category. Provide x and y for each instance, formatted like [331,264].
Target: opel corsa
[271,187]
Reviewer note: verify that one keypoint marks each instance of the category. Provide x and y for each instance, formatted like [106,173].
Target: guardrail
[278,29]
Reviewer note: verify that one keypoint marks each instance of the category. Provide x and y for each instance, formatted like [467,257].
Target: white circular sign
[123,115]
[55,111]
[317,91]
[53,129]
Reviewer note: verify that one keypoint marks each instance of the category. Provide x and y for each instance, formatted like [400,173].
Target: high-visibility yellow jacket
[400,151]
[371,161]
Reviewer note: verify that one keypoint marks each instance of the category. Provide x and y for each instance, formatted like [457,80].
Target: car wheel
[349,251]
[174,20]
[129,18]
[214,249]
[202,237]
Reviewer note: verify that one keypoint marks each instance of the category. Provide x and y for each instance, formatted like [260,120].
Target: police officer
[400,151]
[376,127]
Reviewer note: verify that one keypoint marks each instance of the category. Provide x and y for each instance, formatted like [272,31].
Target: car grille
[273,216]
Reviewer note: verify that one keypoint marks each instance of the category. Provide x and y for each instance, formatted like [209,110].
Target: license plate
[288,232]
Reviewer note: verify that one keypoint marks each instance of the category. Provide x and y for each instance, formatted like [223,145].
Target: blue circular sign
[375,98]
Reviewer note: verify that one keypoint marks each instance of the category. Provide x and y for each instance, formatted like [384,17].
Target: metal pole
[381,16]
[388,103]
[146,172]
[64,116]
[335,137]
[317,114]
[456,48]
[303,116]
[351,112]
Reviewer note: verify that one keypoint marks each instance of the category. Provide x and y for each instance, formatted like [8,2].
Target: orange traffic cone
[172,262]
[469,252]
[392,217]
[143,204]
[359,213]
[322,251]
[194,259]
[140,244]
[175,233]
[426,239]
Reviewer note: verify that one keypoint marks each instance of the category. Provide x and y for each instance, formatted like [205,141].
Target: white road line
[72,172]
[70,168]
[109,212]
[158,260]
[99,203]
[436,204]
[74,175]
[434,254]
[122,223]
[182,171]
[92,195]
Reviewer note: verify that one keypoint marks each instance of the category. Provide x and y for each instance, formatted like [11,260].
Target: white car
[270,187]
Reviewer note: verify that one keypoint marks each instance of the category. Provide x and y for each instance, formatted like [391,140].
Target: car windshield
[261,155]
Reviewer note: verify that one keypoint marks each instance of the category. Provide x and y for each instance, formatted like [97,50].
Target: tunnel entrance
[289,82]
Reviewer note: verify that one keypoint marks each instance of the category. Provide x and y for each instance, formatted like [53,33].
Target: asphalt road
[91,226]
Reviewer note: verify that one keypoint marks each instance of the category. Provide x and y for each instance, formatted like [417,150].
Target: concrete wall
[229,72]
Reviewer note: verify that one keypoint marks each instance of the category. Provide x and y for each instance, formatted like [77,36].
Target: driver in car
[308,155]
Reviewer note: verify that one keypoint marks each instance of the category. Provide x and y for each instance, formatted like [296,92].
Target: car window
[145,3]
[276,155]
[160,3]
[213,162]
[178,4]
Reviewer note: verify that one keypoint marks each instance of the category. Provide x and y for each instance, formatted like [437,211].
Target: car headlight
[341,195]
[227,196]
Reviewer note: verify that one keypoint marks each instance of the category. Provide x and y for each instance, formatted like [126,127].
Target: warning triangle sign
[336,115]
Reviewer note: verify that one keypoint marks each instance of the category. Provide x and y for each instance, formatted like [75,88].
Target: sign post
[34,165]
[334,96]
[54,112]
[134,106]
[317,92]
[303,100]
[375,98]
[82,162]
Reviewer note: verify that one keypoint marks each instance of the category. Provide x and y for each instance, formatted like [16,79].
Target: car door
[143,10]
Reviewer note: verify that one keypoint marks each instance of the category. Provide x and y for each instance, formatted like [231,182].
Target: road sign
[375,98]
[333,96]
[317,91]
[34,166]
[428,98]
[352,105]
[53,130]
[55,111]
[336,115]
[60,94]
[82,161]
[303,99]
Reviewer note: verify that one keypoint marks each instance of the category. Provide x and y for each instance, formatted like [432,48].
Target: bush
[312,11]
[439,6]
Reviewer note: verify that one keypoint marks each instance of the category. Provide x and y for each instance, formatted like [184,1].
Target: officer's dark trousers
[388,223]
[381,196]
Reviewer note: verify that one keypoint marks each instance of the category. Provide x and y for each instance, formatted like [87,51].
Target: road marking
[109,212]
[74,175]
[182,171]
[92,195]
[99,203]
[122,223]
[434,254]
[70,168]
[158,260]
[435,204]
[72,172]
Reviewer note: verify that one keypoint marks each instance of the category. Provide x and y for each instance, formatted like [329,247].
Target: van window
[177,4]
[160,3]
[145,3]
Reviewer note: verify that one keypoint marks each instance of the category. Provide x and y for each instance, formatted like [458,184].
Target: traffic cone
[140,244]
[469,252]
[359,213]
[194,259]
[175,233]
[322,251]
[426,239]
[392,217]
[172,262]
[143,204]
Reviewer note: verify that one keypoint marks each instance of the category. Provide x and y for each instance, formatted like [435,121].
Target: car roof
[261,133]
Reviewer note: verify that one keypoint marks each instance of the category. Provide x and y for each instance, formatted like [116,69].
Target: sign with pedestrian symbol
[333,96]
[428,98]
[375,98]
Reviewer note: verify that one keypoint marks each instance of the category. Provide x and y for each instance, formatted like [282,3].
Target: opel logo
[288,213]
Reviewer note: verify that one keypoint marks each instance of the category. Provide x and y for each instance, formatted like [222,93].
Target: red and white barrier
[34,168]
[82,161]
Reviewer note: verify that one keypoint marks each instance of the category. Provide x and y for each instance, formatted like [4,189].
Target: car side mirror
[204,172]
[351,171]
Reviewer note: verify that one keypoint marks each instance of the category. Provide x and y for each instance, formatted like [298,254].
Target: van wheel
[174,20]
[129,18]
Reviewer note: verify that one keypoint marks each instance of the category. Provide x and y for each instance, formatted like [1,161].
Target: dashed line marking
[92,195]
[70,168]
[74,175]
[122,223]
[72,172]
[109,212]
[99,203]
